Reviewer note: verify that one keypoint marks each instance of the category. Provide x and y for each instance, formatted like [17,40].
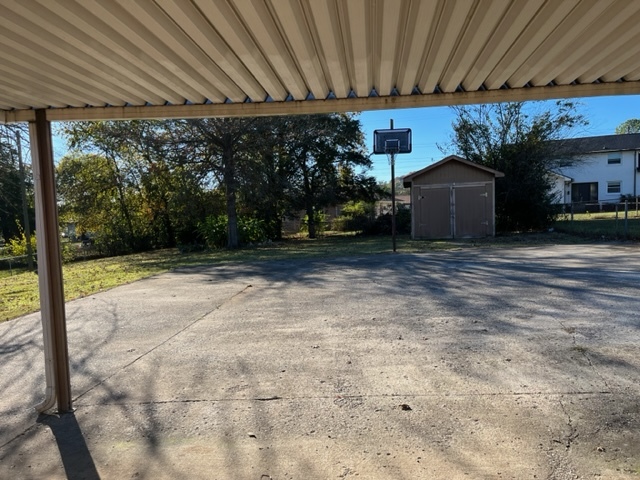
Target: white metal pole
[52,308]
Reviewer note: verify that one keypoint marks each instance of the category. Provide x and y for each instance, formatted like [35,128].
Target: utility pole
[25,207]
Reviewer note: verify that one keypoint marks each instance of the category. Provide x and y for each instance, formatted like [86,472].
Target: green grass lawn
[19,290]
[601,225]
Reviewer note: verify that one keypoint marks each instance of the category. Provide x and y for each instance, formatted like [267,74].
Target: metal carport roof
[97,59]
[125,59]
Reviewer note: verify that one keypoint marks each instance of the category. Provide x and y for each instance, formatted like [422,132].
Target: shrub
[214,231]
[382,224]
[17,246]
[355,217]
[320,221]
[67,253]
[251,230]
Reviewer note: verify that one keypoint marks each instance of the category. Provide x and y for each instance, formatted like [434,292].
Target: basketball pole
[393,195]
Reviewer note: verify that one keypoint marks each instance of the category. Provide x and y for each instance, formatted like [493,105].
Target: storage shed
[453,198]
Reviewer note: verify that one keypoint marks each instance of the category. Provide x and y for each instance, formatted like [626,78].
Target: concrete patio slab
[488,363]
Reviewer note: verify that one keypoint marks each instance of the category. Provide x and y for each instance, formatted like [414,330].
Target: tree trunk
[230,189]
[277,226]
[168,224]
[311,223]
[132,240]
[308,203]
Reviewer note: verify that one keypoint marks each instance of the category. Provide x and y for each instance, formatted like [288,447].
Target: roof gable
[408,179]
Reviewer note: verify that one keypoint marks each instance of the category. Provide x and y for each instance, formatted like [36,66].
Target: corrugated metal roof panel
[92,53]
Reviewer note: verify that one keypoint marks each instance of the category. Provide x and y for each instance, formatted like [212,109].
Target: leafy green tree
[266,176]
[155,183]
[9,193]
[385,188]
[629,126]
[160,198]
[218,145]
[522,141]
[98,200]
[302,163]
[319,146]
[12,221]
[115,174]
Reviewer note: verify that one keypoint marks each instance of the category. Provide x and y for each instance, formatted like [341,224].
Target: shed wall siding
[453,200]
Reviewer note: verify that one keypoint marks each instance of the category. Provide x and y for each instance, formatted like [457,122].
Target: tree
[159,197]
[629,126]
[385,187]
[302,163]
[524,142]
[266,177]
[93,198]
[319,146]
[13,184]
[218,145]
[147,184]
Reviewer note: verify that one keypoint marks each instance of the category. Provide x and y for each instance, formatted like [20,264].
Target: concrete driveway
[488,363]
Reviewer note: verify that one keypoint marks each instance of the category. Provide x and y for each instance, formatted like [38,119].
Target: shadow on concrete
[74,452]
[480,323]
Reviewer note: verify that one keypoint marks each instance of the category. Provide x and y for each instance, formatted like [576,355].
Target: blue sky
[431,126]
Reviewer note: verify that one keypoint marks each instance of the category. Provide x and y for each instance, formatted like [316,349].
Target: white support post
[50,267]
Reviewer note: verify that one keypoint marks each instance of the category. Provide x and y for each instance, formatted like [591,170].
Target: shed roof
[119,59]
[408,179]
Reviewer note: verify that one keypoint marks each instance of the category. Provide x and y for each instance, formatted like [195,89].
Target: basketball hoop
[391,142]
[391,147]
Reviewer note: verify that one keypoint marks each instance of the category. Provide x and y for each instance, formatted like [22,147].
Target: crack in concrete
[165,341]
[339,396]
[559,462]
[597,372]
[572,331]
[573,431]
[171,337]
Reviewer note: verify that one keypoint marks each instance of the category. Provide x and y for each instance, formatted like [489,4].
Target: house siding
[595,168]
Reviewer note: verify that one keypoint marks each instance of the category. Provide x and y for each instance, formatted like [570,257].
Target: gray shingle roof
[603,143]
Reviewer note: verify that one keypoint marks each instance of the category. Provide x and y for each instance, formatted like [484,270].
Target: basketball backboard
[396,140]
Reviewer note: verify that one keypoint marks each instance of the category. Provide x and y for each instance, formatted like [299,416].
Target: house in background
[607,169]
[383,207]
[453,198]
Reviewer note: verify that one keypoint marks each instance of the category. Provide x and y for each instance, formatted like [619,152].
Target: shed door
[433,212]
[471,211]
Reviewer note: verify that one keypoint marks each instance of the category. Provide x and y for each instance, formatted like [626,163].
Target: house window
[614,159]
[584,192]
[613,187]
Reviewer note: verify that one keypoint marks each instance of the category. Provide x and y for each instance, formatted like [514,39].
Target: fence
[616,211]
[11,262]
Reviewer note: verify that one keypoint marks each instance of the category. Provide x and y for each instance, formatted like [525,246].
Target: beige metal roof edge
[15,116]
[299,107]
